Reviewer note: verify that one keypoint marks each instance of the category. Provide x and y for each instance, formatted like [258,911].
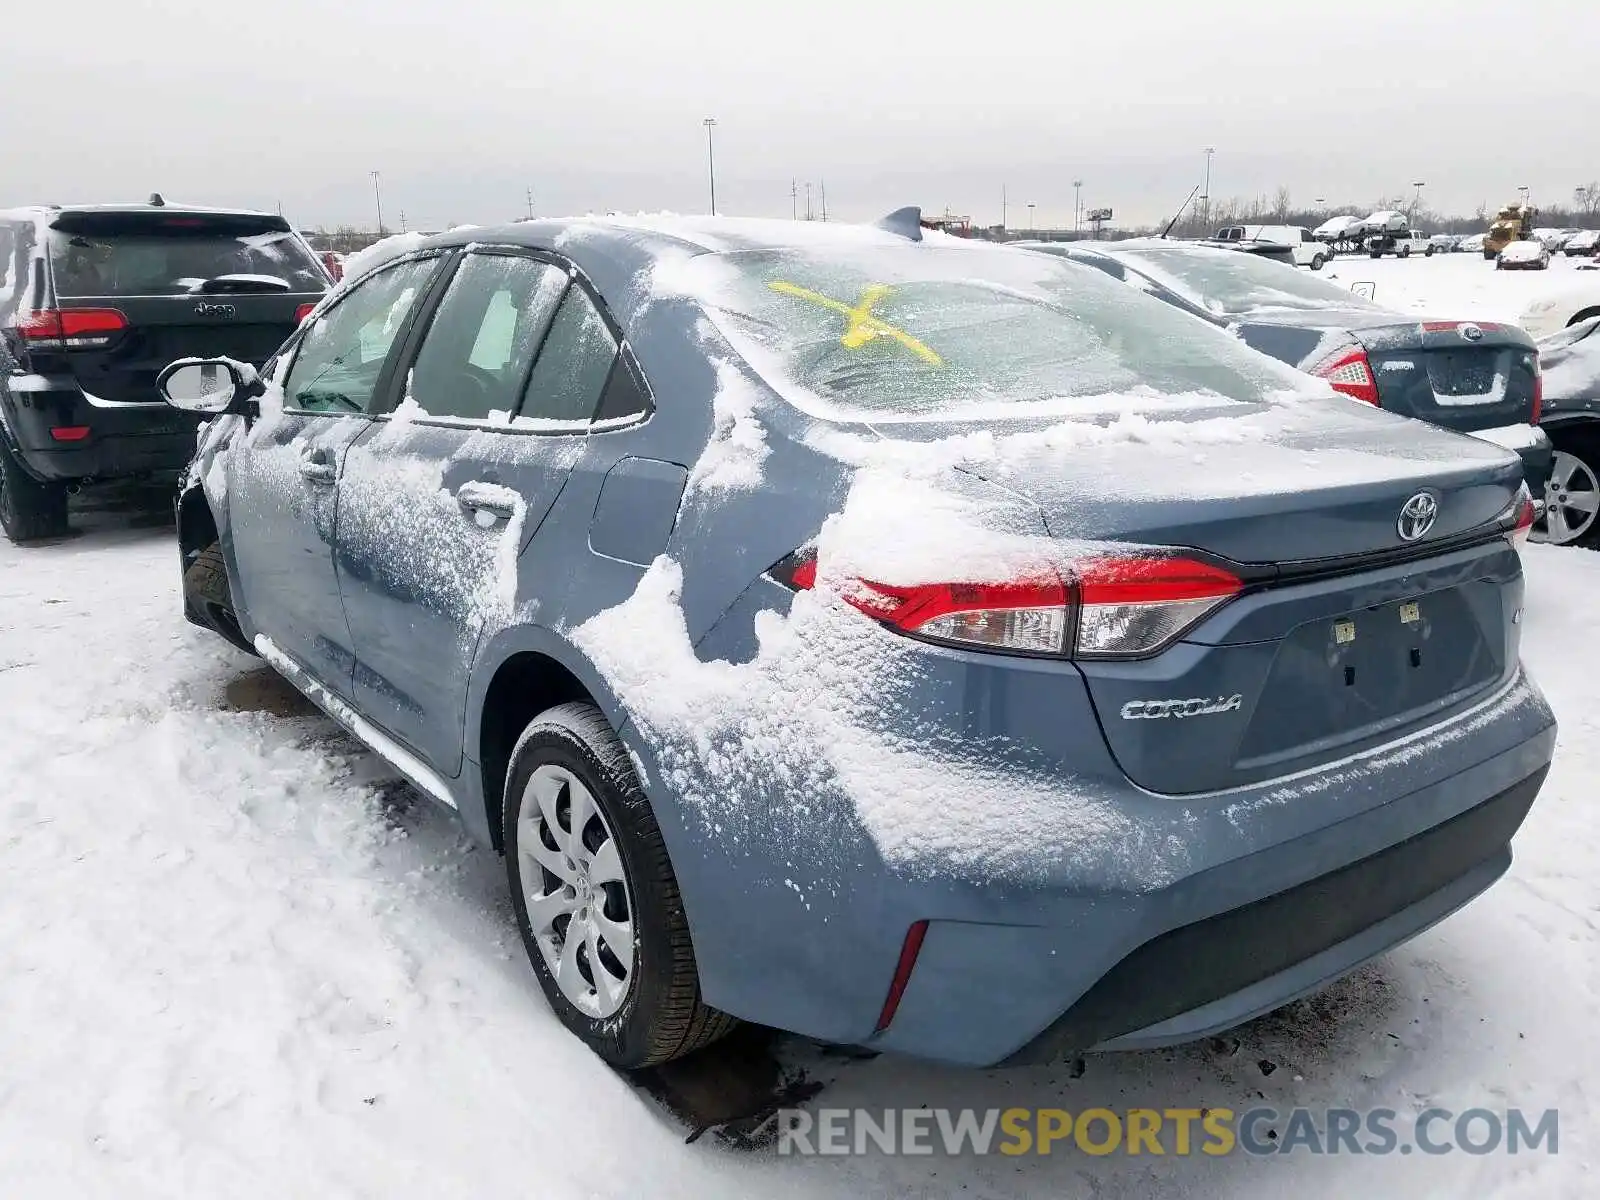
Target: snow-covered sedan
[1530,254]
[1476,377]
[898,639]
[1570,306]
[1583,244]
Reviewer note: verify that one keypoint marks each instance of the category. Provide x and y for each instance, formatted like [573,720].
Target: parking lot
[241,959]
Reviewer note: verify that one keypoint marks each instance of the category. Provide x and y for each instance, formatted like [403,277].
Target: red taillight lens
[71,328]
[1351,374]
[304,311]
[1538,395]
[1105,607]
[1029,616]
[70,433]
[1519,518]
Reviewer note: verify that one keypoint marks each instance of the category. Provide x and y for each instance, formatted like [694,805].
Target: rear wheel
[1572,497]
[1427,252]
[1318,262]
[29,510]
[1405,251]
[206,590]
[595,896]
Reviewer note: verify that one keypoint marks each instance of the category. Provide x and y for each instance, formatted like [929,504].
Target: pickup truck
[1404,242]
[1306,250]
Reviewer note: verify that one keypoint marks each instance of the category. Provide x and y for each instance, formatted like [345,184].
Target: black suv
[94,301]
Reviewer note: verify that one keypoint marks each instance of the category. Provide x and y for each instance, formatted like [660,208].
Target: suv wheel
[595,897]
[29,510]
[206,591]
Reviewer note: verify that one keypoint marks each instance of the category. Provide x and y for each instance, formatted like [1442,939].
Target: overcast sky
[462,105]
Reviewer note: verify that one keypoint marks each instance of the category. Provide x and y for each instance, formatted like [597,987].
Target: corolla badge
[1417,516]
[1199,706]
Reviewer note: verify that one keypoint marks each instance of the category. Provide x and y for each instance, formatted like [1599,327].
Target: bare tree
[1281,203]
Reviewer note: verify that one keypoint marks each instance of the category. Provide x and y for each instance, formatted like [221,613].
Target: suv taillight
[304,311]
[70,328]
[1351,373]
[1108,606]
[1538,393]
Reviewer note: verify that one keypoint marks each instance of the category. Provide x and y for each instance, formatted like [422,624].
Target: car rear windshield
[1233,285]
[877,332]
[147,259]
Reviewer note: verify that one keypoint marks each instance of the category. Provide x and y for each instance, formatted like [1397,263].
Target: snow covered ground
[236,959]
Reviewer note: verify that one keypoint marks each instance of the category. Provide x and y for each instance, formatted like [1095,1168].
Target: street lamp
[711,161]
[1206,196]
[1030,216]
[377,195]
[1077,203]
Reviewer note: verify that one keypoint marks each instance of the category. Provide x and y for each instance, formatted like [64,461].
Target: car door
[283,475]
[442,495]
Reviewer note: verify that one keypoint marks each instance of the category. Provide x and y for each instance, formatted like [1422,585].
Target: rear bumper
[123,440]
[1529,443]
[1092,915]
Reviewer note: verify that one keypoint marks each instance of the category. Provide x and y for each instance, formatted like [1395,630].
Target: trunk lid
[186,283]
[1345,637]
[1456,374]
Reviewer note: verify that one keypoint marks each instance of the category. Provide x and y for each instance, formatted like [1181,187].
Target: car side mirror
[212,386]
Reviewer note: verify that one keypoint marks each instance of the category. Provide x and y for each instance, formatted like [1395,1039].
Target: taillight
[1519,517]
[1351,373]
[1110,606]
[1538,393]
[70,328]
[304,311]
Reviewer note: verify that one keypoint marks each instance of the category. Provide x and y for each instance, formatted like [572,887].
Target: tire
[1377,254]
[1318,262]
[1487,255]
[1428,252]
[30,511]
[207,592]
[567,756]
[1405,251]
[1576,475]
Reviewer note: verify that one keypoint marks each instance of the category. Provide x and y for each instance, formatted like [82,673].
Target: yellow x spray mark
[861,324]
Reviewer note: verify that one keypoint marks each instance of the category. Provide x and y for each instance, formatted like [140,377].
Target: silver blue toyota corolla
[889,638]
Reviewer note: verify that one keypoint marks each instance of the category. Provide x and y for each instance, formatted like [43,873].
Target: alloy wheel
[575,891]
[1572,501]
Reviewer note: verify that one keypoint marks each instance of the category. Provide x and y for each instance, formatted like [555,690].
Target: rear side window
[339,359]
[483,338]
[152,260]
[574,364]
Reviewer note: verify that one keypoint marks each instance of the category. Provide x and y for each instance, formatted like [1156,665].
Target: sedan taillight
[1351,374]
[1111,606]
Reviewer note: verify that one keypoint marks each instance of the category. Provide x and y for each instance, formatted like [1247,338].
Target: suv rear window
[153,260]
[878,332]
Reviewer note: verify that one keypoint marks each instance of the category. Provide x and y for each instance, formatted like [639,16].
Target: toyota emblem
[1417,516]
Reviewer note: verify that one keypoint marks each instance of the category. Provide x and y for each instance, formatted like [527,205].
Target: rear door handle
[486,498]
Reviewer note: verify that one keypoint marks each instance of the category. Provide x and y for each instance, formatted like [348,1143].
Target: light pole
[1416,205]
[377,195]
[1205,194]
[1077,204]
[1030,216]
[711,161]
[1522,190]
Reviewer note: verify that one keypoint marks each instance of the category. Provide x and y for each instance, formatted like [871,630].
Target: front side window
[340,357]
[484,336]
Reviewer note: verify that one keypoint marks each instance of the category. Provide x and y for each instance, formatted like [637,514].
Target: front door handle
[316,472]
[498,502]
